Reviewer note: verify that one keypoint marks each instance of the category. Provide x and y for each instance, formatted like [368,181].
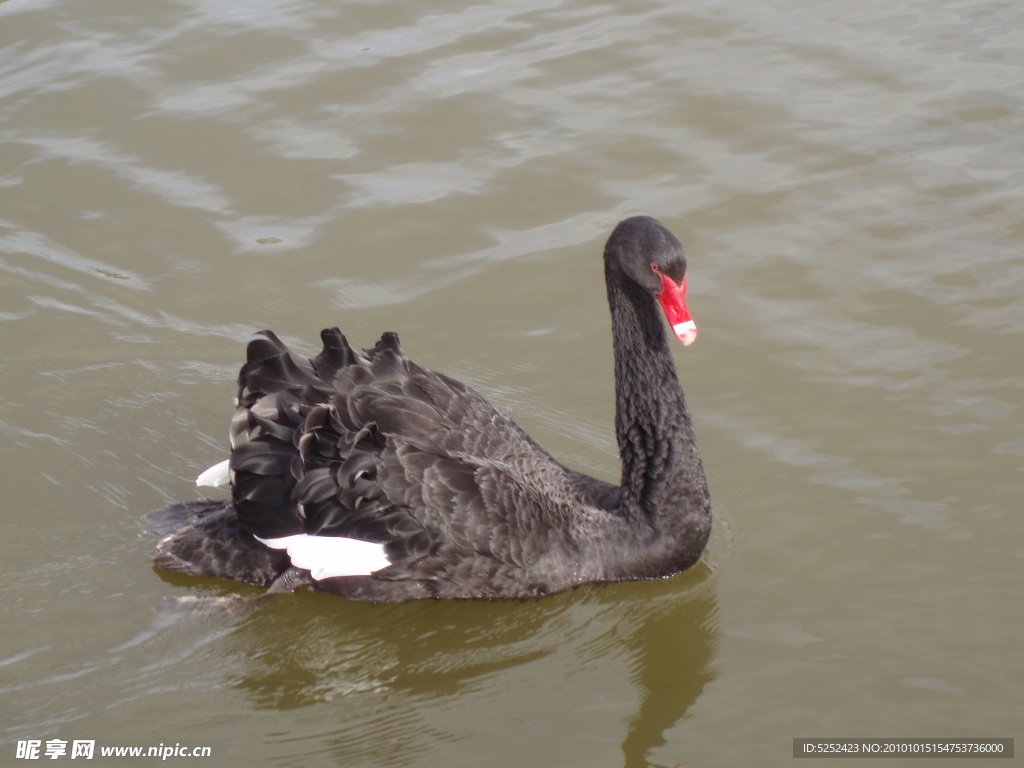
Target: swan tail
[204,538]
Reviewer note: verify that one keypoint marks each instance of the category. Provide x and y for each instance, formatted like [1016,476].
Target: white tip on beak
[686,331]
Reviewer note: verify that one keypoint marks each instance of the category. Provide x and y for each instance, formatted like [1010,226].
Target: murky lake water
[848,180]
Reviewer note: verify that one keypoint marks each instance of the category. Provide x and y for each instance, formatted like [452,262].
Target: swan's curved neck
[662,475]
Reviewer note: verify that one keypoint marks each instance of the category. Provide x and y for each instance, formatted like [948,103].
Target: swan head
[646,252]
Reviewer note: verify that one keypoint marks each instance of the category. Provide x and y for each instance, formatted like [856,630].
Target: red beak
[673,301]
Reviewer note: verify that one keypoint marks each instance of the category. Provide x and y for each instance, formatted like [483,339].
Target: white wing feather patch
[215,476]
[323,556]
[328,556]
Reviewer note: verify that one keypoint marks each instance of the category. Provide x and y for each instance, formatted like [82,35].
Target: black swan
[368,476]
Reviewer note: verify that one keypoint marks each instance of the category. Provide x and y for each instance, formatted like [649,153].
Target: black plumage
[373,447]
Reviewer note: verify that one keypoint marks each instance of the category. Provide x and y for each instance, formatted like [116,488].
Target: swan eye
[655,268]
